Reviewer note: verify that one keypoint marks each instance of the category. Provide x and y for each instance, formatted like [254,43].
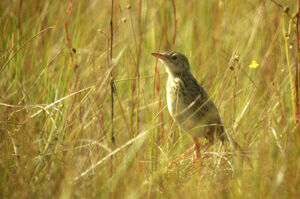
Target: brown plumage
[189,104]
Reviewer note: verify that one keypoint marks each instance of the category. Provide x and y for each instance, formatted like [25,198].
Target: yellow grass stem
[286,36]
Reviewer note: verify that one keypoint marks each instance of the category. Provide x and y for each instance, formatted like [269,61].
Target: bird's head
[176,63]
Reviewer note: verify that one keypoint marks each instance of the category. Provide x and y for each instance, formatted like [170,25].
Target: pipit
[190,105]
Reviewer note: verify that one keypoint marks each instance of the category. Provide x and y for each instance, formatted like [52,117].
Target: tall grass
[55,101]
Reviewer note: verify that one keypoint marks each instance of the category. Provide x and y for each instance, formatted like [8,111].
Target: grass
[55,101]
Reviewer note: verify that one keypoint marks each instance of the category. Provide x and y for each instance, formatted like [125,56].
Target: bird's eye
[174,58]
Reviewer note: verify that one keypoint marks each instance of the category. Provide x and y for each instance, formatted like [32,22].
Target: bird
[190,105]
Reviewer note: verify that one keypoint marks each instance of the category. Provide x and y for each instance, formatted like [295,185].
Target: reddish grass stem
[165,27]
[175,23]
[283,8]
[66,29]
[297,66]
[235,77]
[19,14]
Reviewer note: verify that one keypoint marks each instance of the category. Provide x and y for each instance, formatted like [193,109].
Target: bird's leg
[210,139]
[190,150]
[196,149]
[196,154]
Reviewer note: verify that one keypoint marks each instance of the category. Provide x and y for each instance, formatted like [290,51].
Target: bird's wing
[205,108]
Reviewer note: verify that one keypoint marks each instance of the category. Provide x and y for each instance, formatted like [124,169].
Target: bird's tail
[236,147]
[226,137]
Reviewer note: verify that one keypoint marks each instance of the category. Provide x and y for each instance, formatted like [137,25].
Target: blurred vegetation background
[55,104]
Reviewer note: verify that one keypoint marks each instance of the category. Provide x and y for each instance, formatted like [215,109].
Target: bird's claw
[196,156]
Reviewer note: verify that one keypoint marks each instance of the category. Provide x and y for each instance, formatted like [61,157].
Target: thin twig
[66,29]
[165,29]
[175,23]
[297,66]
[111,88]
[283,8]
[20,14]
[111,76]
[278,4]
[235,77]
[139,49]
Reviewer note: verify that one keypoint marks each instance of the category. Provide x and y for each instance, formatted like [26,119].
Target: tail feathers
[236,147]
[233,143]
[225,137]
[241,151]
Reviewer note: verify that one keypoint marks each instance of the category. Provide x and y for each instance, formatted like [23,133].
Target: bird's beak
[160,56]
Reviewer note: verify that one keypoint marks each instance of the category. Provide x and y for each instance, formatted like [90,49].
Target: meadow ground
[58,63]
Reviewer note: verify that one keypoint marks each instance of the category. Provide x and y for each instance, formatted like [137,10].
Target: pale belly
[183,115]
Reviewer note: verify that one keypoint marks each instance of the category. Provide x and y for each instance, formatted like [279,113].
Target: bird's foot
[196,156]
[196,159]
[182,156]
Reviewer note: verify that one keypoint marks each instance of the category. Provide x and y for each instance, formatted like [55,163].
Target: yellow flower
[254,64]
